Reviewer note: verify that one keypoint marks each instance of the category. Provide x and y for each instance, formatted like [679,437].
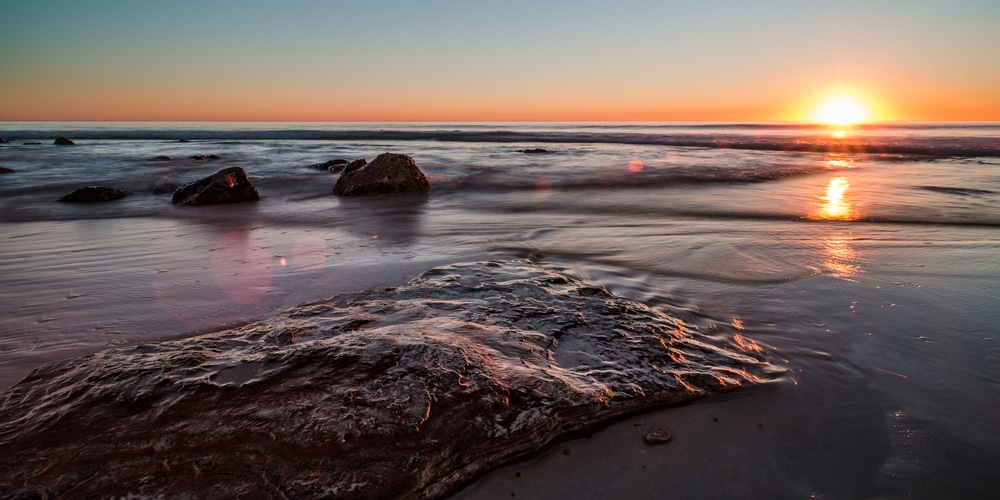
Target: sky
[433,60]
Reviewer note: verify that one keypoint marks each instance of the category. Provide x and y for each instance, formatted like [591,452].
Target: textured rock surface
[397,393]
[388,173]
[62,141]
[230,185]
[92,194]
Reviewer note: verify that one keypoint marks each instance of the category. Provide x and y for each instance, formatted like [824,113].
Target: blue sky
[453,60]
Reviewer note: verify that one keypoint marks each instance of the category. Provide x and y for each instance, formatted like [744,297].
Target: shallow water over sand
[872,278]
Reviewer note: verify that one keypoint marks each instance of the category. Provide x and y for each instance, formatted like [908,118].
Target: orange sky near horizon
[578,61]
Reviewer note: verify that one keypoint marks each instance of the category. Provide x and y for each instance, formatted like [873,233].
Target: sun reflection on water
[837,205]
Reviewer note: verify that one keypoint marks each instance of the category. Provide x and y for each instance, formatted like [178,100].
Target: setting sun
[841,111]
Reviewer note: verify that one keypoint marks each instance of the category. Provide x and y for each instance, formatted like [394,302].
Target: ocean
[865,259]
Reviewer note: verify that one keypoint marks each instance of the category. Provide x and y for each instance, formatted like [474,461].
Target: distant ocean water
[867,260]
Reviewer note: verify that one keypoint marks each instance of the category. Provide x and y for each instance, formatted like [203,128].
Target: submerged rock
[164,188]
[206,157]
[160,158]
[3,141]
[92,194]
[62,141]
[387,174]
[230,185]
[396,393]
[333,166]
[535,151]
[5,170]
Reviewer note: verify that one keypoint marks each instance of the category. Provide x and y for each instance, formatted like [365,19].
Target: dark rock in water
[658,435]
[396,393]
[4,141]
[352,167]
[5,170]
[183,140]
[206,157]
[165,188]
[160,158]
[333,166]
[92,194]
[62,141]
[230,185]
[535,151]
[31,143]
[387,174]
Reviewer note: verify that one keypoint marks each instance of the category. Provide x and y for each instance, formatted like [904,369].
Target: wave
[937,140]
[664,179]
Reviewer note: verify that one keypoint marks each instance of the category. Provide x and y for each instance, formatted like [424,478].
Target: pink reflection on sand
[241,267]
[543,189]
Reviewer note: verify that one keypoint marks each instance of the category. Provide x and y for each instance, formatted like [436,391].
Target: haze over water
[866,264]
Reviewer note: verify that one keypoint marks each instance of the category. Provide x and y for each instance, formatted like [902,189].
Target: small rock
[183,140]
[164,188]
[160,158]
[658,435]
[350,168]
[31,143]
[334,166]
[3,141]
[206,157]
[5,170]
[535,151]
[92,194]
[387,174]
[62,141]
[229,185]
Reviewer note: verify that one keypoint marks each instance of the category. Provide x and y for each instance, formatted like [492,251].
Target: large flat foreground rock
[397,393]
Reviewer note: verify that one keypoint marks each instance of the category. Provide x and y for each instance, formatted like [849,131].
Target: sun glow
[841,111]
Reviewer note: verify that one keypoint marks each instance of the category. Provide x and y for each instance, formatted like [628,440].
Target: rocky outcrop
[5,170]
[387,174]
[206,157]
[160,158]
[62,141]
[230,185]
[3,141]
[535,151]
[93,194]
[395,393]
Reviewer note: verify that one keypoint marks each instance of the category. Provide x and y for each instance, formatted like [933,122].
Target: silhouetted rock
[333,166]
[165,188]
[160,158]
[206,157]
[535,151]
[395,393]
[387,174]
[5,170]
[4,141]
[230,185]
[183,140]
[62,141]
[92,194]
[31,143]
